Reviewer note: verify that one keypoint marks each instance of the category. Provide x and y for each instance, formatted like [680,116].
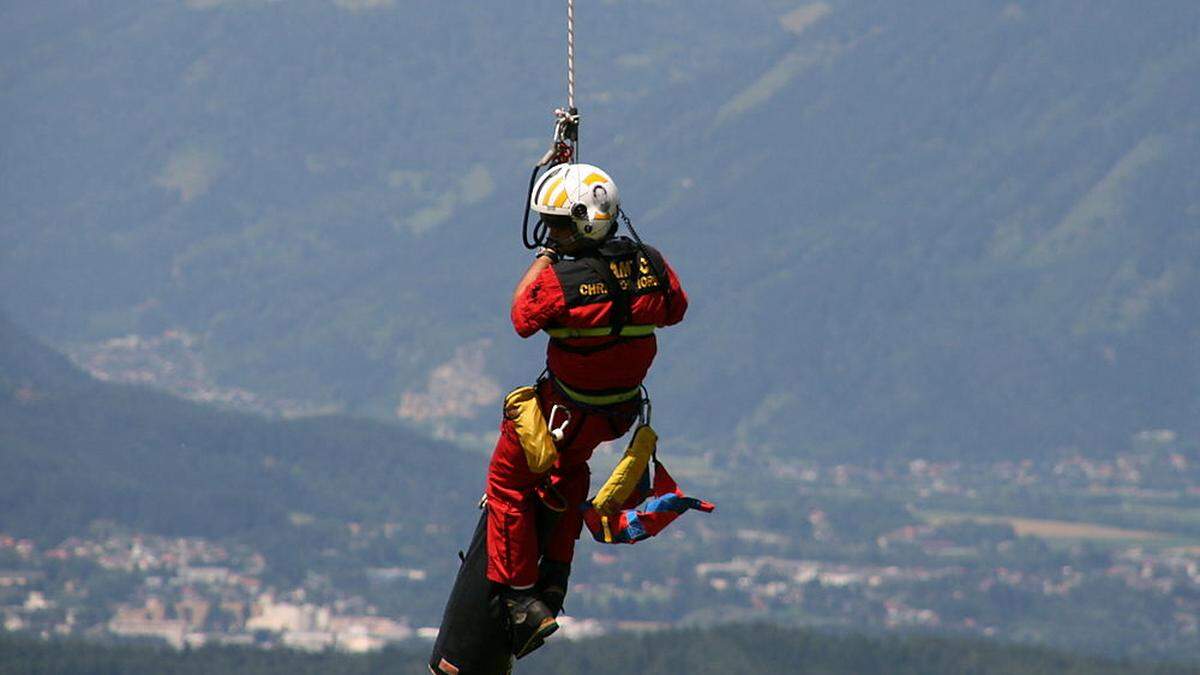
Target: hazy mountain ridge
[77,450]
[949,311]
[950,228]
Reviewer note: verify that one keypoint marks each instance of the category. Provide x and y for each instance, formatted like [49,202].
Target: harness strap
[635,330]
[621,310]
[598,398]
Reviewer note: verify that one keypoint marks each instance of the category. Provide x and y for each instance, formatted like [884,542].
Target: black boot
[552,584]
[530,621]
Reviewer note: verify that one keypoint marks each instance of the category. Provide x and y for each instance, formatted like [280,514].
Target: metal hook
[560,431]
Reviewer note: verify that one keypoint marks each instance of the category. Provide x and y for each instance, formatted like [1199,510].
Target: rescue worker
[599,297]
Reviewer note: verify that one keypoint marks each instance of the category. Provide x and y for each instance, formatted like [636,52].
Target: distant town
[182,591]
[932,555]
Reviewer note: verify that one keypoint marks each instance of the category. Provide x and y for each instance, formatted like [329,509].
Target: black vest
[617,272]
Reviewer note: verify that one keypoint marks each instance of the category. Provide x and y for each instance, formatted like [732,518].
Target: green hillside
[985,231]
[77,451]
[949,228]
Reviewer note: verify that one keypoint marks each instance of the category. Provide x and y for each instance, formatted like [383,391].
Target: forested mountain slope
[942,228]
[76,451]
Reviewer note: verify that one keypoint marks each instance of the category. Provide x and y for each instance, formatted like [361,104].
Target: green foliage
[758,648]
[715,651]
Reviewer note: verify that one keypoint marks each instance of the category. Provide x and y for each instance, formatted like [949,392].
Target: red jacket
[575,294]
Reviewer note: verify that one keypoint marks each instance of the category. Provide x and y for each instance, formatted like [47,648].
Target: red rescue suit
[601,347]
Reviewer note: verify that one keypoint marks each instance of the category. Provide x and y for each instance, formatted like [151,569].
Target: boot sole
[538,638]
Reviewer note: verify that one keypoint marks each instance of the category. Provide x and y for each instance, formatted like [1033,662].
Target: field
[1056,529]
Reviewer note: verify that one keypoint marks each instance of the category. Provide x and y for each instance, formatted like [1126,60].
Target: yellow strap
[605,399]
[601,331]
[607,532]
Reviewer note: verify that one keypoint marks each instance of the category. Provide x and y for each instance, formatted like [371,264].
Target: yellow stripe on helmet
[595,178]
[549,190]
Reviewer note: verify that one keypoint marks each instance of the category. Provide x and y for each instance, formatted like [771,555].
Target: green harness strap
[601,331]
[598,400]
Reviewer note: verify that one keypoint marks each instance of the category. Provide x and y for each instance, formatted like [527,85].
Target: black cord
[538,239]
[661,274]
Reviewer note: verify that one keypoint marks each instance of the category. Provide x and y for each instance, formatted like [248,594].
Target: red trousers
[512,538]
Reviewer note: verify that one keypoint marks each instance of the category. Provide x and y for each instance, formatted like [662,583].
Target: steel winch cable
[565,149]
[571,54]
[565,146]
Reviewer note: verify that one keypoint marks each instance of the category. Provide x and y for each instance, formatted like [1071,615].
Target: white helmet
[583,192]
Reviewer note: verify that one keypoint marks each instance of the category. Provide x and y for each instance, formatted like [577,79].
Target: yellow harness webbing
[598,400]
[640,330]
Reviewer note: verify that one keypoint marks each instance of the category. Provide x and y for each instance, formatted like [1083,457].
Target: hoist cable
[571,55]
[565,146]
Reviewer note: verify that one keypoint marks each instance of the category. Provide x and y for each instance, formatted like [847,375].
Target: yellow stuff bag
[521,406]
[624,478]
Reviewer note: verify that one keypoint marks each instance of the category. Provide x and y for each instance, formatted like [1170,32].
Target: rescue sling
[632,525]
[612,515]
